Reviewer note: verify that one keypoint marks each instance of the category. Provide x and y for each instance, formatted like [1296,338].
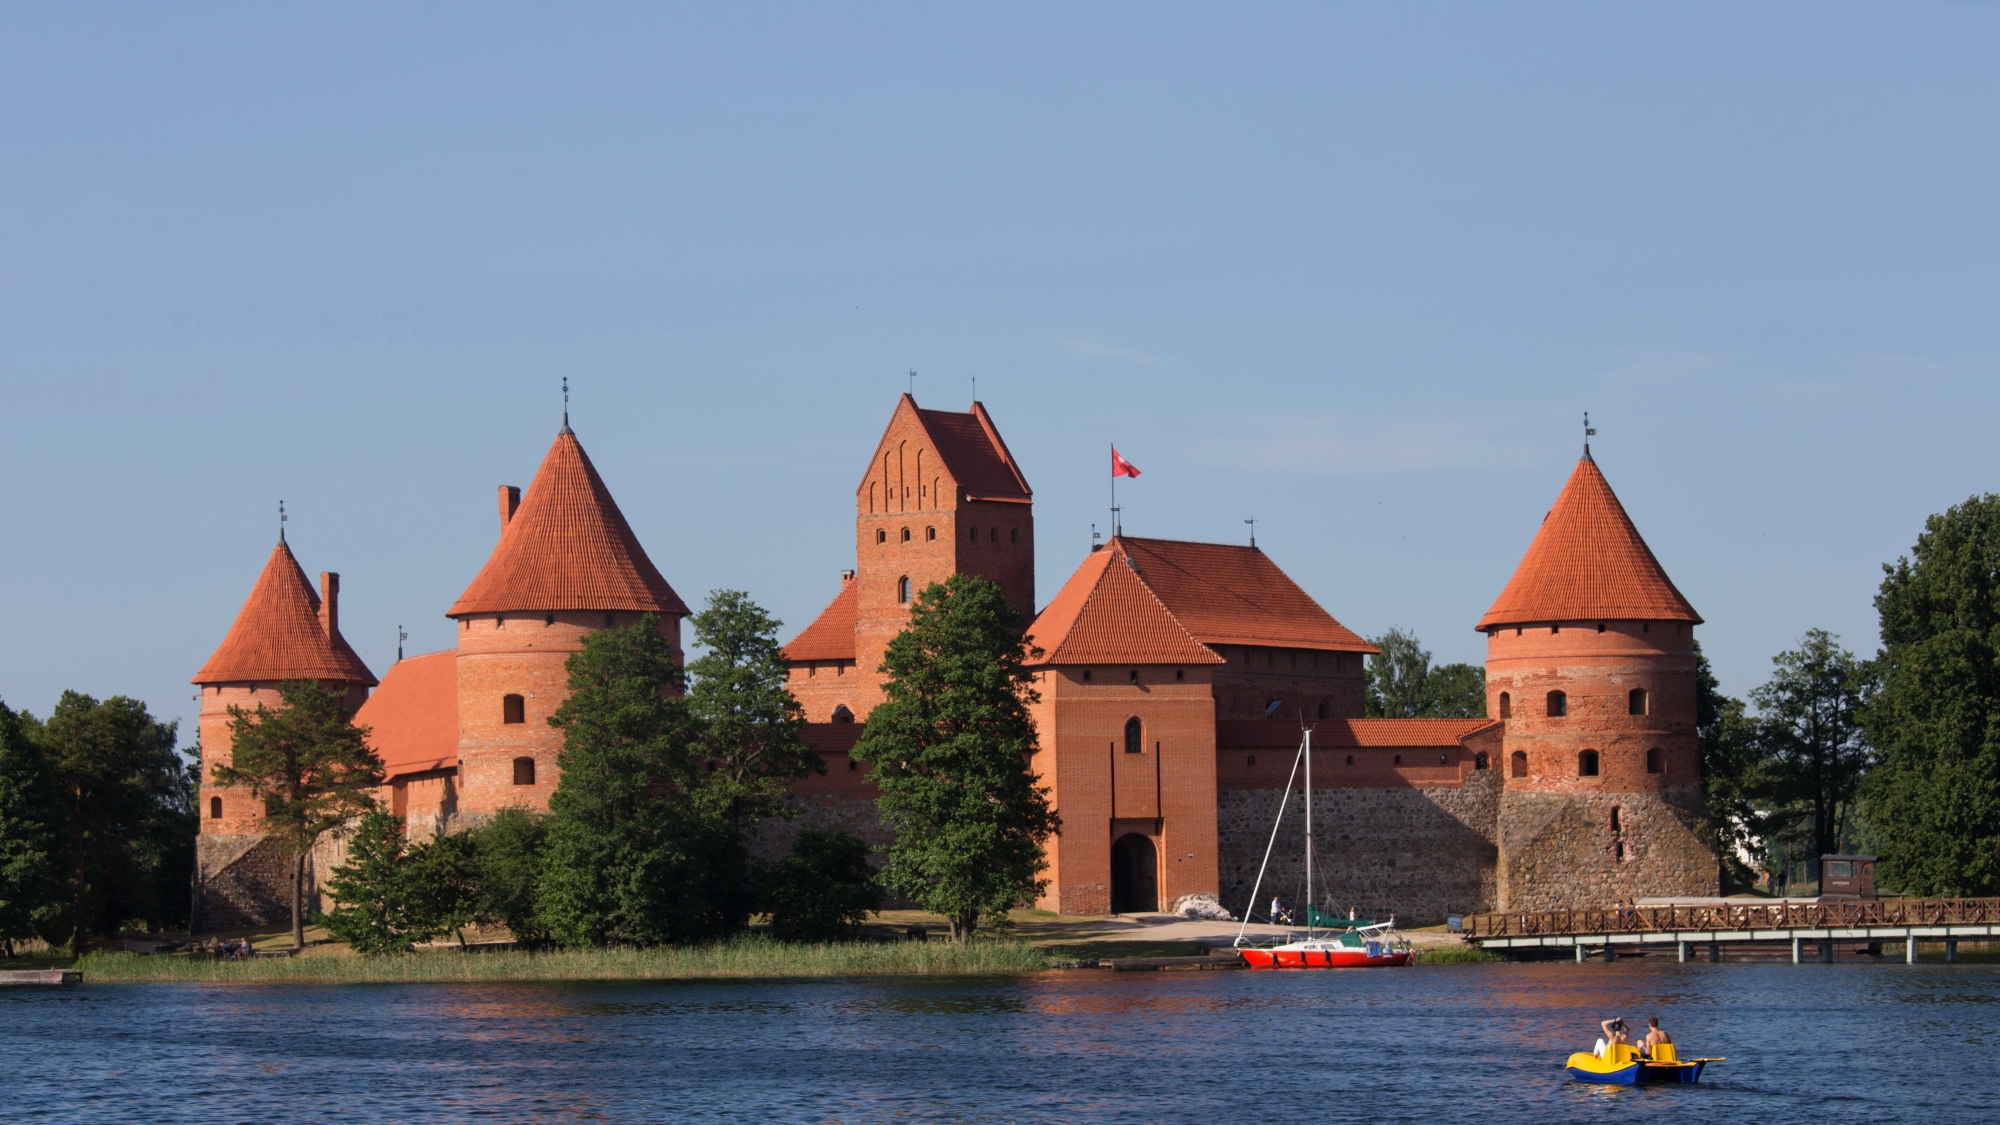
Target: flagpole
[1115,528]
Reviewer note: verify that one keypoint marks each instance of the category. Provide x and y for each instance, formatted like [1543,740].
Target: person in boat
[1655,1036]
[1614,1032]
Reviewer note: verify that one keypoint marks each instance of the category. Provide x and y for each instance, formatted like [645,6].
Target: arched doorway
[1135,879]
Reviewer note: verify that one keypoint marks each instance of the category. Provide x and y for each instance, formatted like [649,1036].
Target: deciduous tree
[311,766]
[1401,684]
[508,872]
[1732,776]
[31,839]
[950,745]
[824,888]
[748,720]
[1809,732]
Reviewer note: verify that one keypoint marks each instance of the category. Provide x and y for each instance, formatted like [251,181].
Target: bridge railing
[1773,916]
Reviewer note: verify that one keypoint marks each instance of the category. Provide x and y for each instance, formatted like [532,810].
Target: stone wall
[1417,853]
[245,881]
[1561,851]
[771,840]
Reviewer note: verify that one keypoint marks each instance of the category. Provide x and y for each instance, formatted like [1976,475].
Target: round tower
[566,565]
[1590,665]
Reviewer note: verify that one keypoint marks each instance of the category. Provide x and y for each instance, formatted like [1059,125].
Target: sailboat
[1354,945]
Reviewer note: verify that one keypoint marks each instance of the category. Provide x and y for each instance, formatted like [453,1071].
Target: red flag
[1120,467]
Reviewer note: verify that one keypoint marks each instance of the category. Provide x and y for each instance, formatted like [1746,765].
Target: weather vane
[400,638]
[565,428]
[913,382]
[281,521]
[1253,531]
[1588,433]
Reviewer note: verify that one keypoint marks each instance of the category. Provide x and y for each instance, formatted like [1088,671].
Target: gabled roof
[278,635]
[1588,563]
[971,449]
[568,547]
[412,719]
[1253,734]
[1105,614]
[831,635]
[1224,594]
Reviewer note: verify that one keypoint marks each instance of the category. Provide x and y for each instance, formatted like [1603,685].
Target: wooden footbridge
[1709,927]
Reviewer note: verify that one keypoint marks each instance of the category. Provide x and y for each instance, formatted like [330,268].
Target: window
[512,709]
[1506,706]
[499,623]
[1086,675]
[610,619]
[1646,627]
[1600,626]
[906,535]
[524,771]
[1558,705]
[973,534]
[1322,708]
[1554,629]
[1840,868]
[1586,764]
[1399,759]
[1135,676]
[1616,826]
[1636,701]
[1134,737]
[1517,765]
[215,808]
[903,589]
[1014,535]
[1180,675]
[1479,761]
[842,715]
[881,536]
[1252,760]
[852,766]
[930,533]
[1618,851]
[1654,764]
[548,619]
[993,535]
[1444,759]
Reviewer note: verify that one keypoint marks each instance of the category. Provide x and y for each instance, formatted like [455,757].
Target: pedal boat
[1623,1065]
[1366,947]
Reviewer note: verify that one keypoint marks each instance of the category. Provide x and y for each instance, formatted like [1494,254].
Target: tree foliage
[1402,684]
[822,889]
[370,890]
[33,891]
[1935,720]
[311,766]
[1732,776]
[125,797]
[636,852]
[747,718]
[1809,733]
[507,857]
[950,747]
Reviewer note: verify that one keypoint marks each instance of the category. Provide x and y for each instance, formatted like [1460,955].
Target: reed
[1456,955]
[746,958]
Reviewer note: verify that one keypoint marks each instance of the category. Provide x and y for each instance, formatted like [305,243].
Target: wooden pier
[1706,929]
[40,976]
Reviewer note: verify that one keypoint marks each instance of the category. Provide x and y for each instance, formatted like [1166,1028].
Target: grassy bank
[743,959]
[1456,954]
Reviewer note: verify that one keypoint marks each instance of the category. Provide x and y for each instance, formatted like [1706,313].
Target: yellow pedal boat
[1623,1065]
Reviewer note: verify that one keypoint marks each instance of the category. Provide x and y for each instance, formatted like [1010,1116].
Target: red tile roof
[1255,734]
[413,717]
[1588,563]
[567,548]
[1234,595]
[971,449]
[831,635]
[278,635]
[1105,614]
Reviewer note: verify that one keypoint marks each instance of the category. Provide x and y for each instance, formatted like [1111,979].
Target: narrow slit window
[903,589]
[1134,736]
[1506,706]
[930,533]
[215,808]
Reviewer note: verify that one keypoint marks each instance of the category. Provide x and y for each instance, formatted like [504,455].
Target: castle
[1192,665]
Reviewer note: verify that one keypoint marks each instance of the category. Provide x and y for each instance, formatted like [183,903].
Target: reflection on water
[1806,1043]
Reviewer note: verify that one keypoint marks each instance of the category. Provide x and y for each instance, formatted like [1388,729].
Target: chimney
[846,579]
[329,604]
[510,499]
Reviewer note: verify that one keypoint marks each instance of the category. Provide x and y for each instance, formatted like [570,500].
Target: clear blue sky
[1354,272]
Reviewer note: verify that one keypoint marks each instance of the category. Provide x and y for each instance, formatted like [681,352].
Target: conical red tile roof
[1588,563]
[278,636]
[1107,614]
[567,547]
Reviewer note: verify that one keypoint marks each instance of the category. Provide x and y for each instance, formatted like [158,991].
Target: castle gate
[1135,880]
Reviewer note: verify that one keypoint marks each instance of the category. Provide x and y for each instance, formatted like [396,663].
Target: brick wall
[1303,678]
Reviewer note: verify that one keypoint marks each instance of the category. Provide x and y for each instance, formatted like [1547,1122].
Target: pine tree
[1810,738]
[950,746]
[31,843]
[312,767]
[371,889]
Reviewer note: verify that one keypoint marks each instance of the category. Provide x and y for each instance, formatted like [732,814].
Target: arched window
[524,771]
[1506,706]
[1135,741]
[881,536]
[993,535]
[1558,705]
[1636,701]
[512,709]
[1014,535]
[1586,764]
[1322,708]
[842,715]
[973,534]
[1517,764]
[215,808]
[903,588]
[1444,759]
[930,533]
[906,535]
[1654,763]
[1479,760]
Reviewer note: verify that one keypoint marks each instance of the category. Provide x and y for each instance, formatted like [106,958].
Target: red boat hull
[1319,959]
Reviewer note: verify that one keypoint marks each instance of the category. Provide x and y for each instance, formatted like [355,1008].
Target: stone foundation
[244,881]
[1418,853]
[1560,851]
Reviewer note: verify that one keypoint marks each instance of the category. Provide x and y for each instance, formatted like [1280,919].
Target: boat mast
[1309,831]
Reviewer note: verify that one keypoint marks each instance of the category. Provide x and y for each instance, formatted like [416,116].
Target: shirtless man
[1654,1036]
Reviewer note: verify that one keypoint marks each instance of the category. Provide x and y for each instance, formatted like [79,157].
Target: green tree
[311,766]
[1934,798]
[748,720]
[951,745]
[1401,684]
[824,888]
[371,889]
[1732,772]
[635,855]
[1809,730]
[116,771]
[32,890]
[1454,691]
[507,855]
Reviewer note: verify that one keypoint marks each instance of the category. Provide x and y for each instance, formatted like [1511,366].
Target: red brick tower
[283,632]
[942,496]
[1590,665]
[567,563]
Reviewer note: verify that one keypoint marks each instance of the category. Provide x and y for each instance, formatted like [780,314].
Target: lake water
[1806,1043]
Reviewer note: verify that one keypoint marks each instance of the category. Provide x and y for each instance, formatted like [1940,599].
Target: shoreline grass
[747,958]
